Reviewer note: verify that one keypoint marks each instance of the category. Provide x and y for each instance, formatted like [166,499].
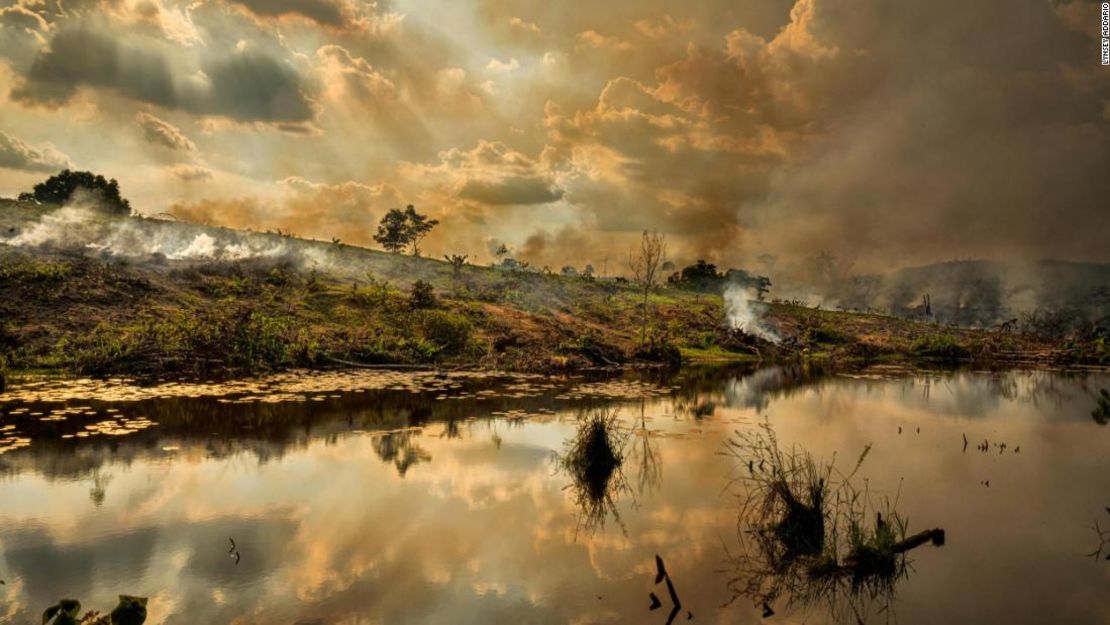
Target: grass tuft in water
[593,458]
[807,534]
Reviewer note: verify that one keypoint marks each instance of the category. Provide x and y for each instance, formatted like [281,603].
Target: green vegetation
[60,188]
[940,347]
[402,228]
[704,277]
[827,335]
[807,534]
[66,309]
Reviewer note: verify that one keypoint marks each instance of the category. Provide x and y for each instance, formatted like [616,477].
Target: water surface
[373,497]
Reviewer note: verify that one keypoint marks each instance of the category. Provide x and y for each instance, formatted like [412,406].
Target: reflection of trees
[99,488]
[1101,413]
[702,389]
[401,449]
[645,452]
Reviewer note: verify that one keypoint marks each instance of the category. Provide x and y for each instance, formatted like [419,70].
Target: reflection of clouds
[486,528]
[330,533]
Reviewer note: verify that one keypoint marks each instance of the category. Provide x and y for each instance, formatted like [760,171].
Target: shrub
[661,352]
[451,332]
[939,346]
[827,335]
[60,188]
[592,347]
[422,295]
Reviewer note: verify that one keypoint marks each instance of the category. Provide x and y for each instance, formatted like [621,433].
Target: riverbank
[85,293]
[67,311]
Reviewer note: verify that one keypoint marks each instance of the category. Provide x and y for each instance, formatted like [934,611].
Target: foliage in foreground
[130,611]
[807,535]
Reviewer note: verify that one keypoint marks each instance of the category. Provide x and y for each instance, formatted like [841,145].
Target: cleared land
[150,300]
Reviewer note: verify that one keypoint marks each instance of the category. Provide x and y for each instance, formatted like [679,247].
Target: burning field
[87,292]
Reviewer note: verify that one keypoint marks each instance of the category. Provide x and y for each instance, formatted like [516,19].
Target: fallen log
[935,535]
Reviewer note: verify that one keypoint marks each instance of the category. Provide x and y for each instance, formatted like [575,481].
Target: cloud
[521,191]
[192,173]
[163,133]
[939,130]
[19,16]
[492,174]
[664,27]
[495,65]
[593,39]
[245,85]
[525,26]
[15,154]
[325,12]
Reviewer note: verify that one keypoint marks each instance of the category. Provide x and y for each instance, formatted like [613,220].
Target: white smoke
[746,315]
[79,225]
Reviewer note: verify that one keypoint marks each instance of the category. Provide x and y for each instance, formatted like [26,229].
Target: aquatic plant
[808,535]
[130,610]
[1101,413]
[593,458]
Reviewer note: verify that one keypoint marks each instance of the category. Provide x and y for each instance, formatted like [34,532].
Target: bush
[60,189]
[939,346]
[451,332]
[592,347]
[665,353]
[422,295]
[827,335]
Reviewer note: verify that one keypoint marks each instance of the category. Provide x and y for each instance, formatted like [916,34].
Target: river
[353,497]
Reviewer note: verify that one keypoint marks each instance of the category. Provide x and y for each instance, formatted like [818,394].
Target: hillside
[982,293]
[82,292]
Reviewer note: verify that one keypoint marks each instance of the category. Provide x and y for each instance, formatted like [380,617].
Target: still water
[374,497]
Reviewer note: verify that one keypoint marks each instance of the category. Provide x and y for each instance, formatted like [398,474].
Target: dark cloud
[324,12]
[511,191]
[253,86]
[245,85]
[15,154]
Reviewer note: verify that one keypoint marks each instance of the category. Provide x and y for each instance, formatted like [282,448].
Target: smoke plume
[746,315]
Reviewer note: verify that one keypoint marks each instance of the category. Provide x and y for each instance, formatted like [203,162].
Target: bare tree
[644,262]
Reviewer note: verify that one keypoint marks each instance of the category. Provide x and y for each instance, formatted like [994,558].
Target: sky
[890,134]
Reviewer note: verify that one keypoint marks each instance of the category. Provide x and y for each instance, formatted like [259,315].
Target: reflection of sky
[482,533]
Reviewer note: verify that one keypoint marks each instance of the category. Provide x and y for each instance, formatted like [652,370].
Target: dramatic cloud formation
[244,85]
[15,154]
[163,133]
[887,135]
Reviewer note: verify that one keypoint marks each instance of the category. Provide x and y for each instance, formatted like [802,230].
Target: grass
[593,458]
[106,315]
[940,347]
[808,535]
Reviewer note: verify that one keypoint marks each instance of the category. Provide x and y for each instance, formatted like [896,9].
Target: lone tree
[59,189]
[401,228]
[457,262]
[645,263]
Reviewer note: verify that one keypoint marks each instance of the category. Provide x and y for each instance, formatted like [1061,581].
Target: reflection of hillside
[267,431]
[216,427]
[701,389]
